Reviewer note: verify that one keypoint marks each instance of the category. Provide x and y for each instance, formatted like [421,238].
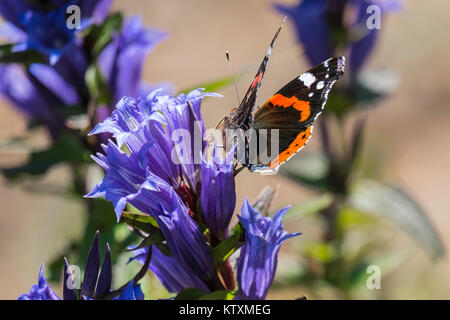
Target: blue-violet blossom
[94,285]
[257,262]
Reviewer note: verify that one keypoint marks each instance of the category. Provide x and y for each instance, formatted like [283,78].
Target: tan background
[410,132]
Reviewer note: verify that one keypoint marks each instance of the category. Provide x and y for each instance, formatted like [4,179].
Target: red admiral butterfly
[292,111]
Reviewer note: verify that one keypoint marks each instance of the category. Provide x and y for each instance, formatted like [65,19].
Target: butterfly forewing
[243,115]
[292,111]
[299,102]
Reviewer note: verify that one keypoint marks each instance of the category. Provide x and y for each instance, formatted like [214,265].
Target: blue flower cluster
[94,286]
[183,195]
[155,159]
[47,91]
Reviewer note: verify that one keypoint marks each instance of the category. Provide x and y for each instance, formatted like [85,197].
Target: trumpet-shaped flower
[95,285]
[257,262]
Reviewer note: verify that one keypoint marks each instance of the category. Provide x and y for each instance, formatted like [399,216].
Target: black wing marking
[299,102]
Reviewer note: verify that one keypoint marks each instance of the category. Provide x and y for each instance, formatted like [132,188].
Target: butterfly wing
[243,115]
[293,109]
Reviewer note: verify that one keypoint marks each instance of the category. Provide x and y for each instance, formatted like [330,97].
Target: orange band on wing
[285,102]
[299,142]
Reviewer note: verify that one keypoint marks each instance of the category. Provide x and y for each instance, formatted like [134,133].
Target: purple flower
[122,60]
[94,286]
[131,292]
[185,240]
[360,50]
[126,181]
[173,275]
[93,11]
[257,262]
[46,30]
[40,291]
[318,21]
[148,129]
[44,92]
[312,29]
[27,96]
[149,178]
[218,193]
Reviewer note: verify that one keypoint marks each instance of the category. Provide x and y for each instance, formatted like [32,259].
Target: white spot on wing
[307,78]
[310,95]
[320,85]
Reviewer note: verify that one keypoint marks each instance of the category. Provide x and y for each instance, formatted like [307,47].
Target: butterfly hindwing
[290,142]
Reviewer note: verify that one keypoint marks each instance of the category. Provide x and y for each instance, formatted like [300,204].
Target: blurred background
[406,139]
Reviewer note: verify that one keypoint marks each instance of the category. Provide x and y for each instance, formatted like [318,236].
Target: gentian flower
[157,132]
[257,262]
[318,21]
[361,49]
[312,28]
[44,29]
[185,240]
[147,127]
[122,60]
[94,286]
[149,179]
[40,291]
[28,97]
[43,92]
[172,274]
[218,193]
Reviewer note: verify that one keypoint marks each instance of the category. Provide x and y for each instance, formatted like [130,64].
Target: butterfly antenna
[227,55]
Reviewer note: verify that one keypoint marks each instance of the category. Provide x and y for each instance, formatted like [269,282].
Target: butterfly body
[284,123]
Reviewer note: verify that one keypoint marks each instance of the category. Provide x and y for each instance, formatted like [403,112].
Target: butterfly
[285,121]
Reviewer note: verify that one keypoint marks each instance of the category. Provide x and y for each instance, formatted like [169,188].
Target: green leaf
[228,246]
[323,252]
[140,222]
[99,36]
[395,205]
[357,274]
[309,207]
[190,294]
[311,169]
[219,295]
[338,103]
[154,238]
[97,86]
[212,86]
[66,148]
[349,217]
[24,57]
